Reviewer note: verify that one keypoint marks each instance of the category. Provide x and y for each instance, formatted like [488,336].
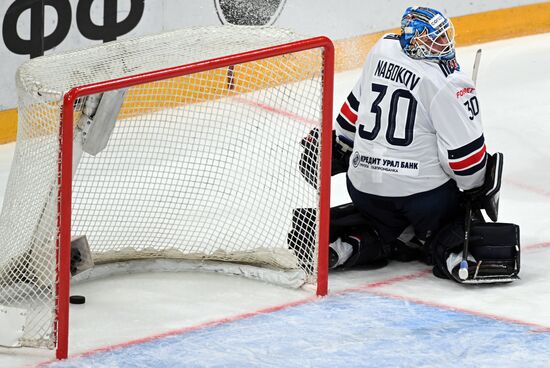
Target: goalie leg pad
[347,225]
[368,249]
[494,254]
[301,239]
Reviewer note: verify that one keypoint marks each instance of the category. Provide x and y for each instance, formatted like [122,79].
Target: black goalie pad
[494,252]
[345,221]
[487,196]
[309,160]
[301,239]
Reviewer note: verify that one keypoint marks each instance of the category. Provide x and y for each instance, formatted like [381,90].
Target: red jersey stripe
[469,161]
[348,113]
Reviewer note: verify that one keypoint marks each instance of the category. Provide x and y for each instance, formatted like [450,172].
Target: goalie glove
[309,160]
[487,196]
[341,152]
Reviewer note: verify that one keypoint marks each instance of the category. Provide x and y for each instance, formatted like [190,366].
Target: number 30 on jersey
[397,95]
[473,107]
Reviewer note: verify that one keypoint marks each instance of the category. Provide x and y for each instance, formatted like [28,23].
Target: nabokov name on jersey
[396,73]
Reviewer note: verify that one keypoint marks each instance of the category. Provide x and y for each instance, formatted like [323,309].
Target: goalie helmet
[427,34]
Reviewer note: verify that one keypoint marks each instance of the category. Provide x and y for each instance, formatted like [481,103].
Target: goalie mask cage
[202,162]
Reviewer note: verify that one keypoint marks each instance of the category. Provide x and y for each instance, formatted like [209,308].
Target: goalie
[410,138]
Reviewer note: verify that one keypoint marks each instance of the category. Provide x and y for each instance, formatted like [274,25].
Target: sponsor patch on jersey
[385,164]
[464,91]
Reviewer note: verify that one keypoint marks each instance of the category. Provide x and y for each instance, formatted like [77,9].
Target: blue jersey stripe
[467,149]
[353,103]
[345,124]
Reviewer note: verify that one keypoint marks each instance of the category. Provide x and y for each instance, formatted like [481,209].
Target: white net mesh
[204,166]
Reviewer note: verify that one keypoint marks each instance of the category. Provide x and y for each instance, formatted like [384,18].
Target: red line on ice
[368,288]
[527,187]
[387,282]
[187,329]
[536,246]
[269,108]
[538,328]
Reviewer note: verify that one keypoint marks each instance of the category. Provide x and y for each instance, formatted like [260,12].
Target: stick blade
[475,68]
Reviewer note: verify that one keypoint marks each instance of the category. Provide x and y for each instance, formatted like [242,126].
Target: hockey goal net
[201,162]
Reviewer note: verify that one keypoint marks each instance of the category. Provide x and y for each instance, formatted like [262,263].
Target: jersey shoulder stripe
[467,149]
[344,124]
[448,67]
[473,169]
[348,113]
[353,102]
[444,69]
[469,161]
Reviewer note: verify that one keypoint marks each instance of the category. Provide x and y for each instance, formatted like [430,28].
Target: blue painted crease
[352,330]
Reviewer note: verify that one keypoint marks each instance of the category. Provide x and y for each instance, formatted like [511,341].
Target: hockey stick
[475,68]
[463,270]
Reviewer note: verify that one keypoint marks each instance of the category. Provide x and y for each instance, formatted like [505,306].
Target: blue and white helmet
[427,34]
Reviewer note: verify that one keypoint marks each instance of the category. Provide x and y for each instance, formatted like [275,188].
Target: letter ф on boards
[111,28]
[38,42]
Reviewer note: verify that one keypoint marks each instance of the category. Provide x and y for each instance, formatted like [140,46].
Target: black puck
[77,299]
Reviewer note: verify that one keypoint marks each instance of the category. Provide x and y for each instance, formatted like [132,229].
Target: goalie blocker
[493,257]
[492,249]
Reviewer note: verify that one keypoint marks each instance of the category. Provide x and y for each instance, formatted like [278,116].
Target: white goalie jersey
[414,125]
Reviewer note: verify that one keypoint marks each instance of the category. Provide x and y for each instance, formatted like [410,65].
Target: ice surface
[351,330]
[399,315]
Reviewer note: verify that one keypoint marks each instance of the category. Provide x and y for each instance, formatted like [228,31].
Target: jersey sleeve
[346,119]
[461,145]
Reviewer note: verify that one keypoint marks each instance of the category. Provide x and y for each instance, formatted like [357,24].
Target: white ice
[513,87]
